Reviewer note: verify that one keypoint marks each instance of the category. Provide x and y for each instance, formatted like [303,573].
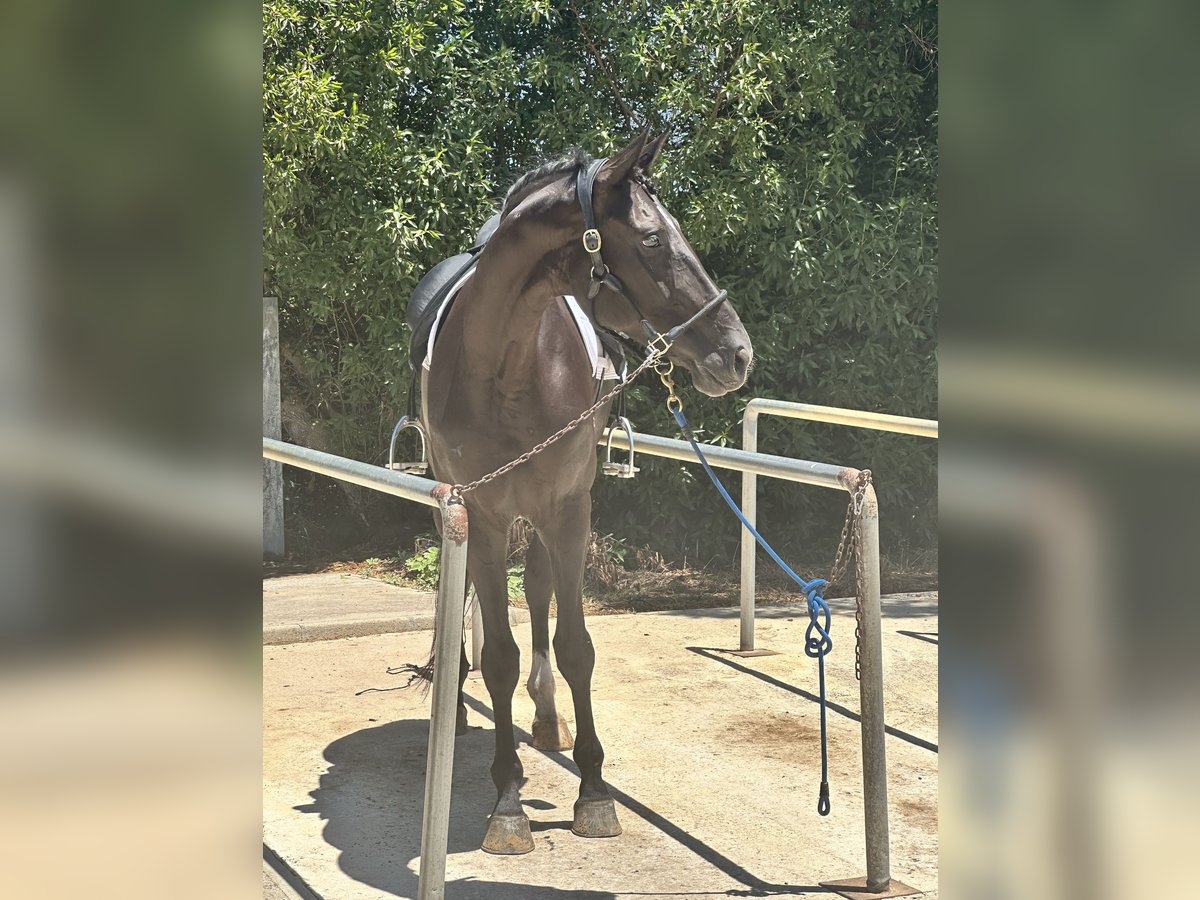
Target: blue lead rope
[816,638]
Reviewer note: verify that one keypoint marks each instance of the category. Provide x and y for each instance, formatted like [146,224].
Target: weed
[423,567]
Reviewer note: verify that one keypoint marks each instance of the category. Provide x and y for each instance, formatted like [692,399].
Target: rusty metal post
[870,692]
[878,881]
[439,766]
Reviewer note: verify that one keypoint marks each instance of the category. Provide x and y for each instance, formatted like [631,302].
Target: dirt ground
[713,759]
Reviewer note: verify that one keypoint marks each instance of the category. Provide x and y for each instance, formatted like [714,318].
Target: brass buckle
[593,235]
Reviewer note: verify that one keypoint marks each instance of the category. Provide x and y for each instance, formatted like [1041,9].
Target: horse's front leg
[595,813]
[508,828]
[550,731]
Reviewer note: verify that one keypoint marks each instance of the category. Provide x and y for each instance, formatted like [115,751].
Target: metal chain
[849,544]
[656,355]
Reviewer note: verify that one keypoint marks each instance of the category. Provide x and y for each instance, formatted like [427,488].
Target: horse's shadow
[371,798]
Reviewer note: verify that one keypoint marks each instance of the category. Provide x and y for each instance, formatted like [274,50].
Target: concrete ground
[300,608]
[713,759]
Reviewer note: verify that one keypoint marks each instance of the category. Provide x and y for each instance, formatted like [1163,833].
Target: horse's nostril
[741,361]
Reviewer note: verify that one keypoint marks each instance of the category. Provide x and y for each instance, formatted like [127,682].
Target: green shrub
[802,165]
[423,567]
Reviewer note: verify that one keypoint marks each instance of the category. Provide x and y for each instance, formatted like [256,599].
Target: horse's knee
[575,655]
[501,665]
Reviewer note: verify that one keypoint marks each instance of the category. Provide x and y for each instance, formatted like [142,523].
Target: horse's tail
[418,673]
[422,673]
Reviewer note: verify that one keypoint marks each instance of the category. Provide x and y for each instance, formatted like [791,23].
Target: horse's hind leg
[550,731]
[595,813]
[464,666]
[508,828]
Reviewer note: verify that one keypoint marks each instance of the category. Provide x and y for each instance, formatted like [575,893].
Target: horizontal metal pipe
[819,474]
[855,418]
[398,484]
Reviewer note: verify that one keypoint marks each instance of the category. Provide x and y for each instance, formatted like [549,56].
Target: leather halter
[603,276]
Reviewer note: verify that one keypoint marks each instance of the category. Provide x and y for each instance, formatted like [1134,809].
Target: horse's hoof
[552,734]
[460,727]
[508,835]
[596,819]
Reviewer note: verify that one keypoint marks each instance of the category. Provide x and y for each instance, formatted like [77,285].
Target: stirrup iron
[619,469]
[421,466]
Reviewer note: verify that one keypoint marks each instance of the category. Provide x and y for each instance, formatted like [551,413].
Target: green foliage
[802,165]
[423,567]
[515,577]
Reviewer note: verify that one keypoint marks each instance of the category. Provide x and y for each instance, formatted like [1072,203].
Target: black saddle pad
[432,290]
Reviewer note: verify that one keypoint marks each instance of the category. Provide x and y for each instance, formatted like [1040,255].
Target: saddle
[432,289]
[421,313]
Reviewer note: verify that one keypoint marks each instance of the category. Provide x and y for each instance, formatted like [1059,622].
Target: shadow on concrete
[372,798]
[893,606]
[755,886]
[713,653]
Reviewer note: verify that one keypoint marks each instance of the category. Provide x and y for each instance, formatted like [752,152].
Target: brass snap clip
[674,404]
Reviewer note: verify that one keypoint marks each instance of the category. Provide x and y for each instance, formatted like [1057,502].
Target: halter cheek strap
[602,275]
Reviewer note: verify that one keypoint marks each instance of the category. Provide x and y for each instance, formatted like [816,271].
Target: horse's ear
[617,168]
[650,152]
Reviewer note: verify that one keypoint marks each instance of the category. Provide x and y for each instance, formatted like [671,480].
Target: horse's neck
[509,294]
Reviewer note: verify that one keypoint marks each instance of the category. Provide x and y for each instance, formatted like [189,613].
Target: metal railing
[870,687]
[833,415]
[452,585]
[452,589]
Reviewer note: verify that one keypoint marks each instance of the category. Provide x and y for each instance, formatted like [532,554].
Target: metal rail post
[273,537]
[870,693]
[749,549]
[854,418]
[751,463]
[452,588]
[439,767]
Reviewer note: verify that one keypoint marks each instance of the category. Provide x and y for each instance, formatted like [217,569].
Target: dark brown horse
[508,370]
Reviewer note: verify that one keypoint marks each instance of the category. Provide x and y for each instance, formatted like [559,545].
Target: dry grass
[624,579]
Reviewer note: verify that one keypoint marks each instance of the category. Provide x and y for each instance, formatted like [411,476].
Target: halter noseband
[602,275]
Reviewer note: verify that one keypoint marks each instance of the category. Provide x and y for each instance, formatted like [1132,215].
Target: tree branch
[603,66]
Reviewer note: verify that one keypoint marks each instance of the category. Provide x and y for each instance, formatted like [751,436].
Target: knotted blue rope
[817,641]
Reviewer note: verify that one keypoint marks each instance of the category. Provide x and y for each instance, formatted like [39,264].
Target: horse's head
[662,278]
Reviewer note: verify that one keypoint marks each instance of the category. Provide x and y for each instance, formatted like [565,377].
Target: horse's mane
[547,171]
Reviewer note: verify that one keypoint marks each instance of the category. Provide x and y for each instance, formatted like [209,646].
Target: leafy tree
[802,165]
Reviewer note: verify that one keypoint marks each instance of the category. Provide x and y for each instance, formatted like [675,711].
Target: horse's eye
[651,241]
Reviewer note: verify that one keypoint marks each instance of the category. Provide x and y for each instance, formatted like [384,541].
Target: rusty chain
[656,356]
[850,544]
